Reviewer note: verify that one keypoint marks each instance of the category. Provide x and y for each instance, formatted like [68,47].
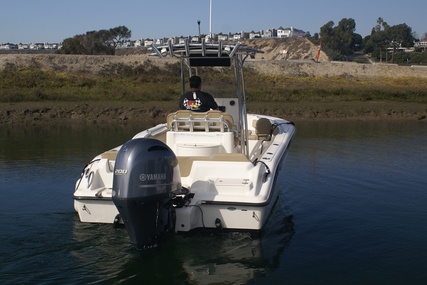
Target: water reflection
[234,258]
[50,142]
[346,187]
[200,257]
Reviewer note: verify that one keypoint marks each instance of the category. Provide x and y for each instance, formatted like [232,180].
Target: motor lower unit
[146,179]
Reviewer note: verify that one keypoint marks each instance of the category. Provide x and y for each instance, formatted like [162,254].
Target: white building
[421,44]
[222,37]
[148,42]
[138,43]
[270,33]
[8,46]
[289,32]
[254,35]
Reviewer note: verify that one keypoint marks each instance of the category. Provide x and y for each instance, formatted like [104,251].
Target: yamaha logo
[152,176]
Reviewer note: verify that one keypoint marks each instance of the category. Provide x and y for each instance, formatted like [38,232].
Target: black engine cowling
[146,178]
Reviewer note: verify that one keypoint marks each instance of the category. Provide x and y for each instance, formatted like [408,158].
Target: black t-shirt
[198,101]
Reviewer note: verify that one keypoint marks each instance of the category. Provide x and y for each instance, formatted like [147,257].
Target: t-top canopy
[214,54]
[205,54]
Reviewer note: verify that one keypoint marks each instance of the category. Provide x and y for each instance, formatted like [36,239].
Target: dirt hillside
[293,57]
[286,49]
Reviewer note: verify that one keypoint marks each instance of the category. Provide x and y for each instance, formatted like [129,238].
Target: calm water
[352,210]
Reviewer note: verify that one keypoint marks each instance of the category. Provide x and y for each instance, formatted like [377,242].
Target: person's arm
[212,103]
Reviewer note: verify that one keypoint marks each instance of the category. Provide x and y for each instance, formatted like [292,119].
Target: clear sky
[30,21]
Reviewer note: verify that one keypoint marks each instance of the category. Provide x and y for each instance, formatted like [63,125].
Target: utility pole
[198,23]
[210,21]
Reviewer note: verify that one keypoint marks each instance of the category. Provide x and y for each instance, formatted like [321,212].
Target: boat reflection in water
[202,256]
[236,257]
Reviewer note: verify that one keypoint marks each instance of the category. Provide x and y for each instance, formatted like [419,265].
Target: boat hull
[96,210]
[229,190]
[227,216]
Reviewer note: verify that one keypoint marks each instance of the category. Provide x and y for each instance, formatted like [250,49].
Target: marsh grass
[149,82]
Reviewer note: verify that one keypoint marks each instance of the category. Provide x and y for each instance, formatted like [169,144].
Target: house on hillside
[289,32]
[237,36]
[270,33]
[50,46]
[421,44]
[8,46]
[148,42]
[23,46]
[195,39]
[138,43]
[34,46]
[126,44]
[181,40]
[222,37]
[254,35]
[282,33]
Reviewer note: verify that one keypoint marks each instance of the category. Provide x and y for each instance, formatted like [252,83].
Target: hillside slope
[286,49]
[291,57]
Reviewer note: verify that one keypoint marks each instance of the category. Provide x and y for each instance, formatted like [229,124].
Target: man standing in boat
[196,99]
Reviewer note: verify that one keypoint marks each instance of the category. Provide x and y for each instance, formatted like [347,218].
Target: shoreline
[314,91]
[112,112]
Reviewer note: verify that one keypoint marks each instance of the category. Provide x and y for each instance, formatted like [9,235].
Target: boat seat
[210,121]
[263,129]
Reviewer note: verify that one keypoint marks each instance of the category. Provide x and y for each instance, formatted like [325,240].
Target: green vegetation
[96,42]
[149,82]
[335,89]
[340,41]
[384,37]
[115,82]
[407,58]
[383,44]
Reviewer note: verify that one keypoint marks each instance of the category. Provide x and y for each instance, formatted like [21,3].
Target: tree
[96,42]
[381,25]
[326,32]
[72,45]
[357,42]
[368,46]
[377,39]
[315,39]
[402,34]
[384,36]
[343,35]
[340,41]
[119,34]
[379,42]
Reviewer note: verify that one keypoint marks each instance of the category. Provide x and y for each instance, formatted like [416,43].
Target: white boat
[215,169]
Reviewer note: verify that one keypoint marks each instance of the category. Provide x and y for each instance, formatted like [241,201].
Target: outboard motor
[146,178]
